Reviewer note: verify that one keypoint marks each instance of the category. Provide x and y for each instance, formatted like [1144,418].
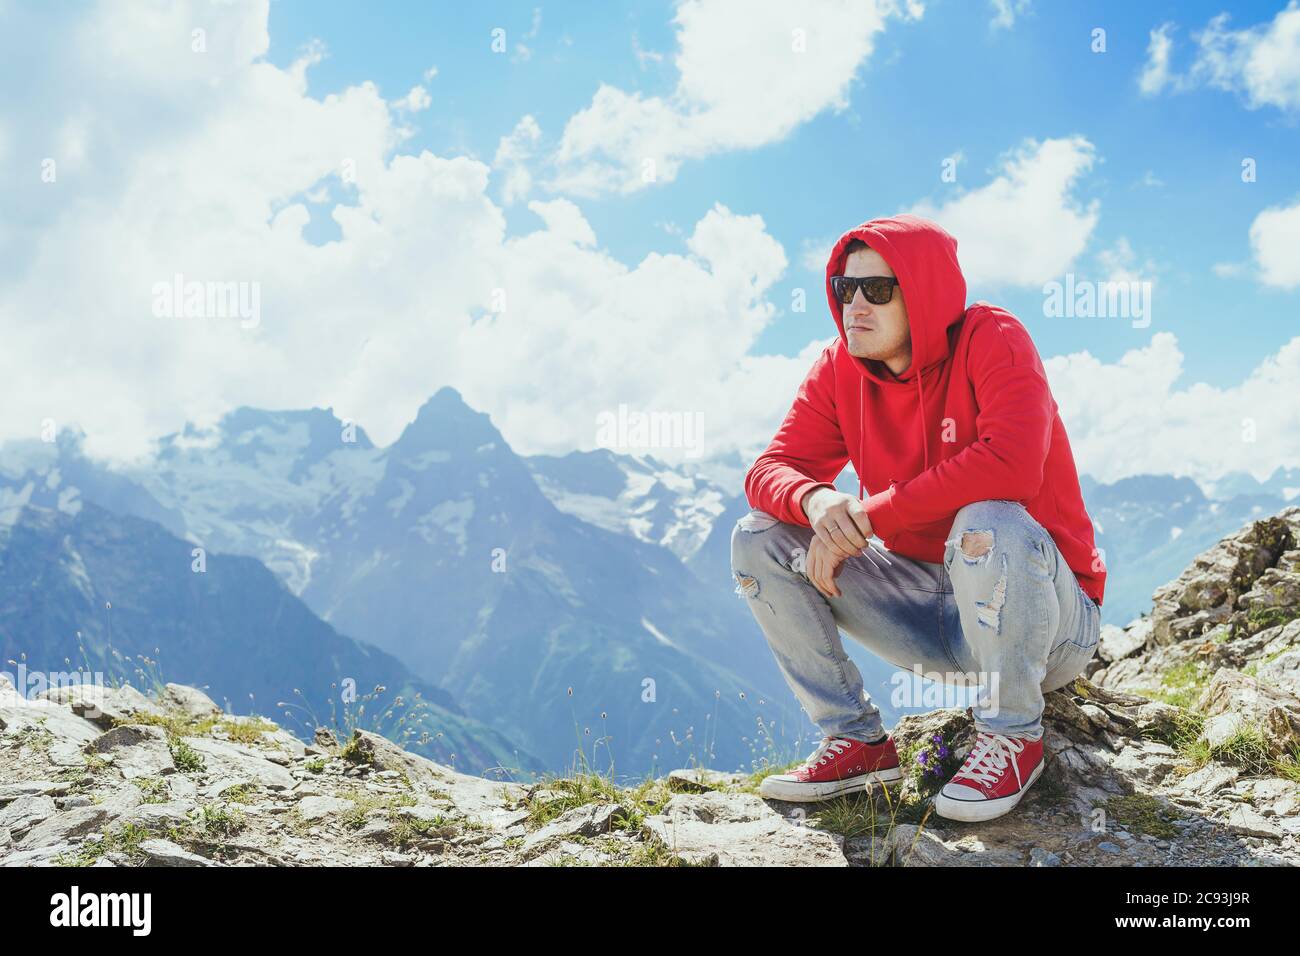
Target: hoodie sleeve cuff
[796,498]
[882,514]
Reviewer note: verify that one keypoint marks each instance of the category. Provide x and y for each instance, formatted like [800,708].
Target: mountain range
[568,609]
[86,591]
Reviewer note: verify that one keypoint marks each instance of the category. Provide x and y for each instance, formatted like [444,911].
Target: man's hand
[841,531]
[822,567]
[840,521]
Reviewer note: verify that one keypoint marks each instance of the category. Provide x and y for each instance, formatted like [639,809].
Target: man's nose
[860,305]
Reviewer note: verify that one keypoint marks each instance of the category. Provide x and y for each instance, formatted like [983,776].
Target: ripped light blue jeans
[1003,613]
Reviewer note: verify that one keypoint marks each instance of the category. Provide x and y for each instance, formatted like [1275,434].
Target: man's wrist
[806,502]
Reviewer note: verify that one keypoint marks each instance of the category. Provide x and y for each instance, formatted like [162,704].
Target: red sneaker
[992,780]
[836,766]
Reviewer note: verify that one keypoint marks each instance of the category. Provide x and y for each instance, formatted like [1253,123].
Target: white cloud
[1119,263]
[564,221]
[1026,226]
[1261,62]
[644,57]
[212,167]
[1155,75]
[748,74]
[513,158]
[1274,242]
[415,101]
[175,173]
[1136,416]
[1006,11]
[813,253]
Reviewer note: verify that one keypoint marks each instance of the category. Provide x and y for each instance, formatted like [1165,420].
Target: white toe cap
[959,791]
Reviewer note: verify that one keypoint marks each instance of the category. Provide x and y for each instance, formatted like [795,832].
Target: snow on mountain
[632,494]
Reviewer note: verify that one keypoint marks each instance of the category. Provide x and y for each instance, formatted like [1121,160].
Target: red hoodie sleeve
[1014,425]
[808,449]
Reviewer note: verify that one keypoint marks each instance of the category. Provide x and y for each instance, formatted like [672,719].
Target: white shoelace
[989,759]
[830,747]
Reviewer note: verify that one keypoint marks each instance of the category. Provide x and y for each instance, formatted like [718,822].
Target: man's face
[877,332]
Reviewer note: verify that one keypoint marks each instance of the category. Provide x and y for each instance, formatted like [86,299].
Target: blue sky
[404,206]
[1168,179]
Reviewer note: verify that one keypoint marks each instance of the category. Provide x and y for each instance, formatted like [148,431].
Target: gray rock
[159,815]
[1118,643]
[12,791]
[570,854]
[1208,780]
[136,750]
[739,829]
[165,853]
[1040,857]
[25,812]
[314,808]
[223,785]
[1206,592]
[103,706]
[66,753]
[63,827]
[375,828]
[190,701]
[36,856]
[285,742]
[1244,821]
[589,820]
[44,715]
[1147,760]
[1276,796]
[237,761]
[1276,712]
[913,846]
[118,802]
[1283,671]
[700,780]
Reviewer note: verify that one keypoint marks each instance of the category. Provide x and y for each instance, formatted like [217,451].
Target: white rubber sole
[977,811]
[780,787]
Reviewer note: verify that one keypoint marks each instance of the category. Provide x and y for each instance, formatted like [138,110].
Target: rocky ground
[1181,746]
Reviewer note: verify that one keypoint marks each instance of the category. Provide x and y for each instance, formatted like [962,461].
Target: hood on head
[924,258]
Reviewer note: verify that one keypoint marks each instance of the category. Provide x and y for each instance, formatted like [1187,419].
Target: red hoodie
[972,418]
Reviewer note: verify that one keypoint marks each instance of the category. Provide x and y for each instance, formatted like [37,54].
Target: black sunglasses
[876,289]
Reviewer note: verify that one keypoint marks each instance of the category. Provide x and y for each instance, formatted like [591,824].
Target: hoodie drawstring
[862,432]
[920,402]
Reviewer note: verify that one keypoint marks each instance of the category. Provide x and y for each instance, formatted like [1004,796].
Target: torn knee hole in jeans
[974,544]
[747,587]
[756,521]
[989,613]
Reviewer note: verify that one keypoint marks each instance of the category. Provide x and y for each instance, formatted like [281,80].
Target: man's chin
[858,350]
